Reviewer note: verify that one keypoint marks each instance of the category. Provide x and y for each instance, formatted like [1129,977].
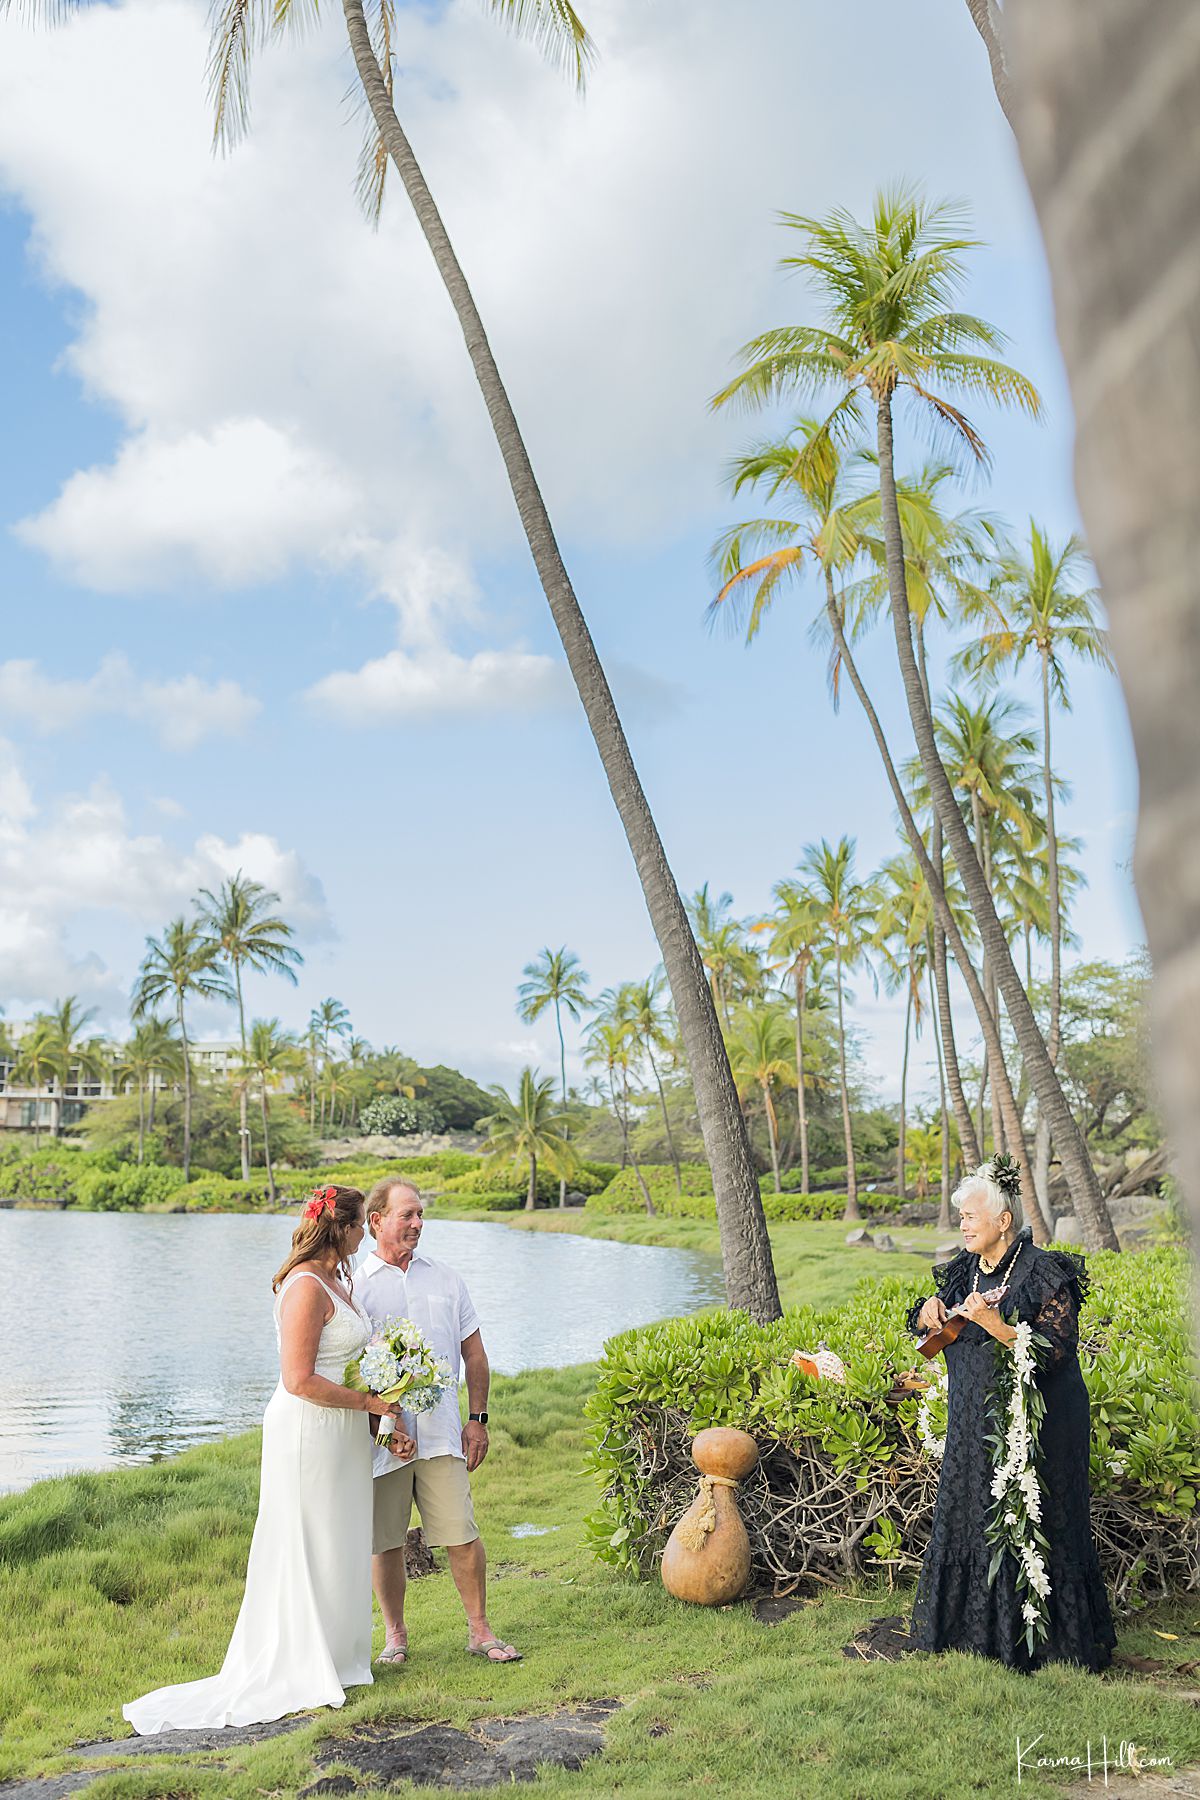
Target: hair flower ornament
[322,1198]
[1006,1173]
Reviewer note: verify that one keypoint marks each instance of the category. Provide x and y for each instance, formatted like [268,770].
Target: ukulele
[952,1326]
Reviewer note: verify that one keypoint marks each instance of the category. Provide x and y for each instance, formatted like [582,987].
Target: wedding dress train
[303,1635]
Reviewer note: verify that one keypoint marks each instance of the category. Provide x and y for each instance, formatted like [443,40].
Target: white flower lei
[1016,1490]
[1015,1524]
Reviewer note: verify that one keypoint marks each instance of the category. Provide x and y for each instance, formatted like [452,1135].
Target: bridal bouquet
[399,1367]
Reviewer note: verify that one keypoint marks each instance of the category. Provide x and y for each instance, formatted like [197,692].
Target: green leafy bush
[486,1199]
[50,1174]
[395,1115]
[127,1188]
[831,1455]
[221,1193]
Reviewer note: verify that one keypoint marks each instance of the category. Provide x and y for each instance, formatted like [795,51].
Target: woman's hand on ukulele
[979,1312]
[932,1315]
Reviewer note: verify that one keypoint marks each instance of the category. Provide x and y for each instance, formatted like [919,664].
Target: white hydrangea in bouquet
[400,1369]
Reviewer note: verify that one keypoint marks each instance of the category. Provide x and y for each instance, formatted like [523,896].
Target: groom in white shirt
[398,1280]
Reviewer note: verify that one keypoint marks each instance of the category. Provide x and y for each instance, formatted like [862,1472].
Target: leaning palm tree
[1041,605]
[761,1054]
[526,1129]
[556,27]
[846,908]
[180,965]
[250,936]
[829,526]
[329,1019]
[272,1054]
[557,979]
[892,328]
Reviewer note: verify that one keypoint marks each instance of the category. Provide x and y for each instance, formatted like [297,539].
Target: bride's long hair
[328,1230]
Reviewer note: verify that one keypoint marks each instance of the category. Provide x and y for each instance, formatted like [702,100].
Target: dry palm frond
[373,158]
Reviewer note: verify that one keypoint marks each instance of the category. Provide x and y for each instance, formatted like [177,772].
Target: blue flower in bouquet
[398,1365]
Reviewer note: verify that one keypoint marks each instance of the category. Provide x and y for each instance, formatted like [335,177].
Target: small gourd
[707,1558]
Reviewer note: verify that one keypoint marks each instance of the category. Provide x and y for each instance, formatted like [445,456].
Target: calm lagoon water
[125,1339]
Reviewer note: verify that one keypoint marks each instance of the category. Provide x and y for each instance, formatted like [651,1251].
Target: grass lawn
[113,1584]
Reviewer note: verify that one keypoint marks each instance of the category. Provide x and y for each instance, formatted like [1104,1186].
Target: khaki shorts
[442,1490]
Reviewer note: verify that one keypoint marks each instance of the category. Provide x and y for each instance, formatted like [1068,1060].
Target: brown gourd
[707,1558]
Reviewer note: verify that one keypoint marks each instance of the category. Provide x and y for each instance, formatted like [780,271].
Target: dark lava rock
[771,1610]
[418,1557]
[883,1640]
[186,1743]
[493,1751]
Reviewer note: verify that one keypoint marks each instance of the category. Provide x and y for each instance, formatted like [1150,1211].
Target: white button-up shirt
[436,1300]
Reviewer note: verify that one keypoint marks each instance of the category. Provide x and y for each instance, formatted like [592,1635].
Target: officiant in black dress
[956,1607]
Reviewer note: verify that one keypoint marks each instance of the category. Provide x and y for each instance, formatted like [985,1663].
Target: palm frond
[555,28]
[238,27]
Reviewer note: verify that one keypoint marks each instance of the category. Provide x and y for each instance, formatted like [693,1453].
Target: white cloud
[403,685]
[234,504]
[80,857]
[182,711]
[292,384]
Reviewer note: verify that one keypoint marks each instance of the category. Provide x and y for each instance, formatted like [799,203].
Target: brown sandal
[489,1644]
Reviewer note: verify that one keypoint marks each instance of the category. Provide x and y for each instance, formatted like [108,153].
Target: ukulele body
[954,1324]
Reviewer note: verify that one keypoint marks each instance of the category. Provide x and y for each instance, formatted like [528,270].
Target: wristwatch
[479,1418]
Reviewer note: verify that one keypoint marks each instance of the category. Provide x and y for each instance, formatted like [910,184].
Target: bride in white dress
[303,1635]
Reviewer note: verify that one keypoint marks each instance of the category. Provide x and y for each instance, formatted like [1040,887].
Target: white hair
[983,1183]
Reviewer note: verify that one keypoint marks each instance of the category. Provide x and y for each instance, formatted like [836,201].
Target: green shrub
[127,1188]
[486,1199]
[221,1193]
[395,1115]
[660,1384]
[50,1174]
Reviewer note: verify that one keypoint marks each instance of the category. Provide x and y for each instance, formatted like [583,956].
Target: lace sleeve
[910,1317]
[1060,1290]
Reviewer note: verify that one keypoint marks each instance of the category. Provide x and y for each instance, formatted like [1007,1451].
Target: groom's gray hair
[380,1196]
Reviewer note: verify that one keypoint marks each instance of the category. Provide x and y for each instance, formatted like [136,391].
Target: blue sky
[256,545]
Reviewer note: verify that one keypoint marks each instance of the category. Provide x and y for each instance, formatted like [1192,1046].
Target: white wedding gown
[303,1635]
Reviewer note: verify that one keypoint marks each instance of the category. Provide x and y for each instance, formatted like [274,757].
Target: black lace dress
[956,1608]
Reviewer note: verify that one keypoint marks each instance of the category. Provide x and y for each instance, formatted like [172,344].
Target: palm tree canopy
[847,906]
[182,961]
[238,916]
[889,289]
[556,978]
[529,1123]
[1041,603]
[762,1051]
[271,1050]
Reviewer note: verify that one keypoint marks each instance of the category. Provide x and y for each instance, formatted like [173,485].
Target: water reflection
[129,1338]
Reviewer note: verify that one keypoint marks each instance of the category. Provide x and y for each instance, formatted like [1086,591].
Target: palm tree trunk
[947,1048]
[990,987]
[153,1099]
[633,1161]
[851,1211]
[745,1247]
[944,1209]
[987,23]
[266,1131]
[187,1093]
[243,1086]
[1054,1040]
[1093,1214]
[662,1101]
[772,1133]
[901,1172]
[943,910]
[141,1120]
[801,1101]
[1101,87]
[531,1196]
[562,1063]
